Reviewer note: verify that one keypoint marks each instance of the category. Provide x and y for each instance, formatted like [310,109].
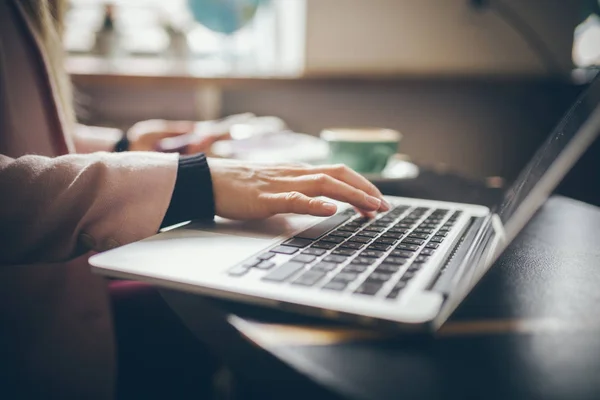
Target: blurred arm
[55,208]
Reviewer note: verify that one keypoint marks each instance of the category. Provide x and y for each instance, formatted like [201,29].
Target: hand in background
[170,136]
[244,190]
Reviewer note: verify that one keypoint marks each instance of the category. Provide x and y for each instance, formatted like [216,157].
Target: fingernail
[374,201]
[329,207]
[386,206]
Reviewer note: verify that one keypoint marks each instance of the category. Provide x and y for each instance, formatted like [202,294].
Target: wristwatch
[122,144]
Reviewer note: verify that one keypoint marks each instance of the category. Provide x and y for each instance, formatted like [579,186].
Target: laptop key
[379,224]
[416,235]
[388,268]
[372,253]
[369,288]
[304,258]
[396,290]
[360,239]
[379,246]
[379,276]
[238,270]
[402,253]
[363,261]
[353,245]
[408,275]
[335,259]
[349,229]
[314,252]
[391,235]
[284,250]
[406,246]
[324,245]
[336,285]
[421,260]
[395,260]
[374,229]
[284,272]
[297,242]
[424,230]
[251,263]
[266,256]
[437,239]
[414,267]
[323,227]
[361,220]
[345,276]
[333,239]
[431,245]
[309,278]
[324,266]
[386,240]
[367,234]
[418,242]
[344,252]
[265,265]
[344,234]
[427,252]
[355,268]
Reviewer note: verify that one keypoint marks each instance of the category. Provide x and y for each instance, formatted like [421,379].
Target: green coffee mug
[365,150]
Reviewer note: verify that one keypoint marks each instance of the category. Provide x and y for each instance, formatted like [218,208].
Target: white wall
[432,36]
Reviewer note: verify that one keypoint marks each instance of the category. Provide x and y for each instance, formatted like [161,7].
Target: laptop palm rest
[218,244]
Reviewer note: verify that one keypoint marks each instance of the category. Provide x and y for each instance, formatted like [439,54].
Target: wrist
[122,144]
[192,196]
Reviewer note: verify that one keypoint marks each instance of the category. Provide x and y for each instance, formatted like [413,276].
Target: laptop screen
[565,145]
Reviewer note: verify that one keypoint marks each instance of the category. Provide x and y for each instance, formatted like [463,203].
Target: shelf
[147,71]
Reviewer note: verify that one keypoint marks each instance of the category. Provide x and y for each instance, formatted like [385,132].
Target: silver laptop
[408,268]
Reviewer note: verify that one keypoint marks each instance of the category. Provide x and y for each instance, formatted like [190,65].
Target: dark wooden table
[529,330]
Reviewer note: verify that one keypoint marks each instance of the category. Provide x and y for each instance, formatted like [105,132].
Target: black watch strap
[122,144]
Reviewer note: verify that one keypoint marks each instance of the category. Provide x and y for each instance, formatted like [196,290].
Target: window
[166,32]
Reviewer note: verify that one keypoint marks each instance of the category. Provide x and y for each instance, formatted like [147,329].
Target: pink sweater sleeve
[53,209]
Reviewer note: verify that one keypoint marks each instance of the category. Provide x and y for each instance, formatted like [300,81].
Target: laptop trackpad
[223,243]
[271,228]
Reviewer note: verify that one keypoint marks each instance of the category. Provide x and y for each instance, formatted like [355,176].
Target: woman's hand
[244,190]
[170,136]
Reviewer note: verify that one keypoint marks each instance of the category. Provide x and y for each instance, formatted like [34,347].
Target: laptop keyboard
[351,253]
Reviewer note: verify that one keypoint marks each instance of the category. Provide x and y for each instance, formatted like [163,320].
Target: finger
[367,214]
[161,127]
[204,143]
[325,185]
[298,203]
[177,127]
[353,178]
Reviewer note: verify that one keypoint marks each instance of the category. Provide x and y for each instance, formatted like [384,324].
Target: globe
[224,16]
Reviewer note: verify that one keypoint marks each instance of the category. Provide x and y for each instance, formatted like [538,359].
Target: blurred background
[474,86]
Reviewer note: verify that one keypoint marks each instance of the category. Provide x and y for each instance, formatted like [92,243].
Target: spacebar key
[322,228]
[284,271]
